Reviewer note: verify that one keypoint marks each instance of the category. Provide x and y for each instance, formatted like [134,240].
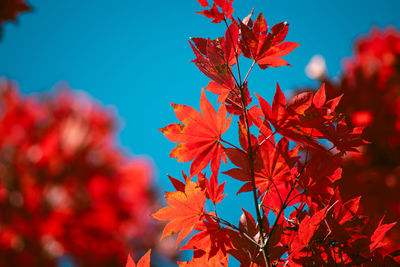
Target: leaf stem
[279,194]
[252,175]
[285,203]
[226,142]
[247,75]
[220,220]
[236,53]
[266,139]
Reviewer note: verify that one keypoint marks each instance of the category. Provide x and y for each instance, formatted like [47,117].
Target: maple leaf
[203,3]
[379,234]
[263,47]
[317,179]
[185,210]
[221,90]
[285,123]
[272,172]
[143,262]
[220,10]
[212,239]
[214,57]
[307,227]
[313,111]
[344,138]
[215,191]
[244,250]
[199,136]
[230,45]
[277,160]
[231,95]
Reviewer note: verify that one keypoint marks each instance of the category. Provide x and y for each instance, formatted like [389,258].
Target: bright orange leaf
[199,135]
[185,210]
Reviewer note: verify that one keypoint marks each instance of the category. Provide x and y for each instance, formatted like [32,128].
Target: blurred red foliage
[371,87]
[65,188]
[9,10]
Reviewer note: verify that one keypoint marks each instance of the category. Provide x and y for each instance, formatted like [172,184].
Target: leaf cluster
[281,156]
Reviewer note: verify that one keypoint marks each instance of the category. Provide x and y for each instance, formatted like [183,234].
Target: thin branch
[234,78]
[226,142]
[261,201]
[266,206]
[252,175]
[215,210]
[279,194]
[220,220]
[236,53]
[284,206]
[247,75]
[294,197]
[265,139]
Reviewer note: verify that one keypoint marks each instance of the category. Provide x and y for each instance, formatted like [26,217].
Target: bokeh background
[134,58]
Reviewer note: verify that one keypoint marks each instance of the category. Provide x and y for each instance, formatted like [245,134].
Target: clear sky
[135,57]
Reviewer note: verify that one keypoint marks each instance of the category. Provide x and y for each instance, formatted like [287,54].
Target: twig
[220,220]
[284,205]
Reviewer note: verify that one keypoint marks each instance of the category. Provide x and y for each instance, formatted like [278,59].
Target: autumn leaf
[185,210]
[199,136]
[318,177]
[344,137]
[231,43]
[307,227]
[212,239]
[272,58]
[215,191]
[284,122]
[379,234]
[214,56]
[263,47]
[143,262]
[203,3]
[272,166]
[220,10]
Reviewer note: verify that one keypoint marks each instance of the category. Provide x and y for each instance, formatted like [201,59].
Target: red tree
[65,188]
[370,85]
[280,157]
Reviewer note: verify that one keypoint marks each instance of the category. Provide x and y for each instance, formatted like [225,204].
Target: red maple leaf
[199,136]
[379,234]
[212,239]
[263,47]
[215,191]
[284,122]
[214,57]
[307,227]
[220,10]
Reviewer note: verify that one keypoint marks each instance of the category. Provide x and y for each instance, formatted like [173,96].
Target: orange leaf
[199,135]
[185,210]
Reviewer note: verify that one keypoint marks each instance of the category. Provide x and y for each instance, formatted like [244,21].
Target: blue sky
[134,57]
